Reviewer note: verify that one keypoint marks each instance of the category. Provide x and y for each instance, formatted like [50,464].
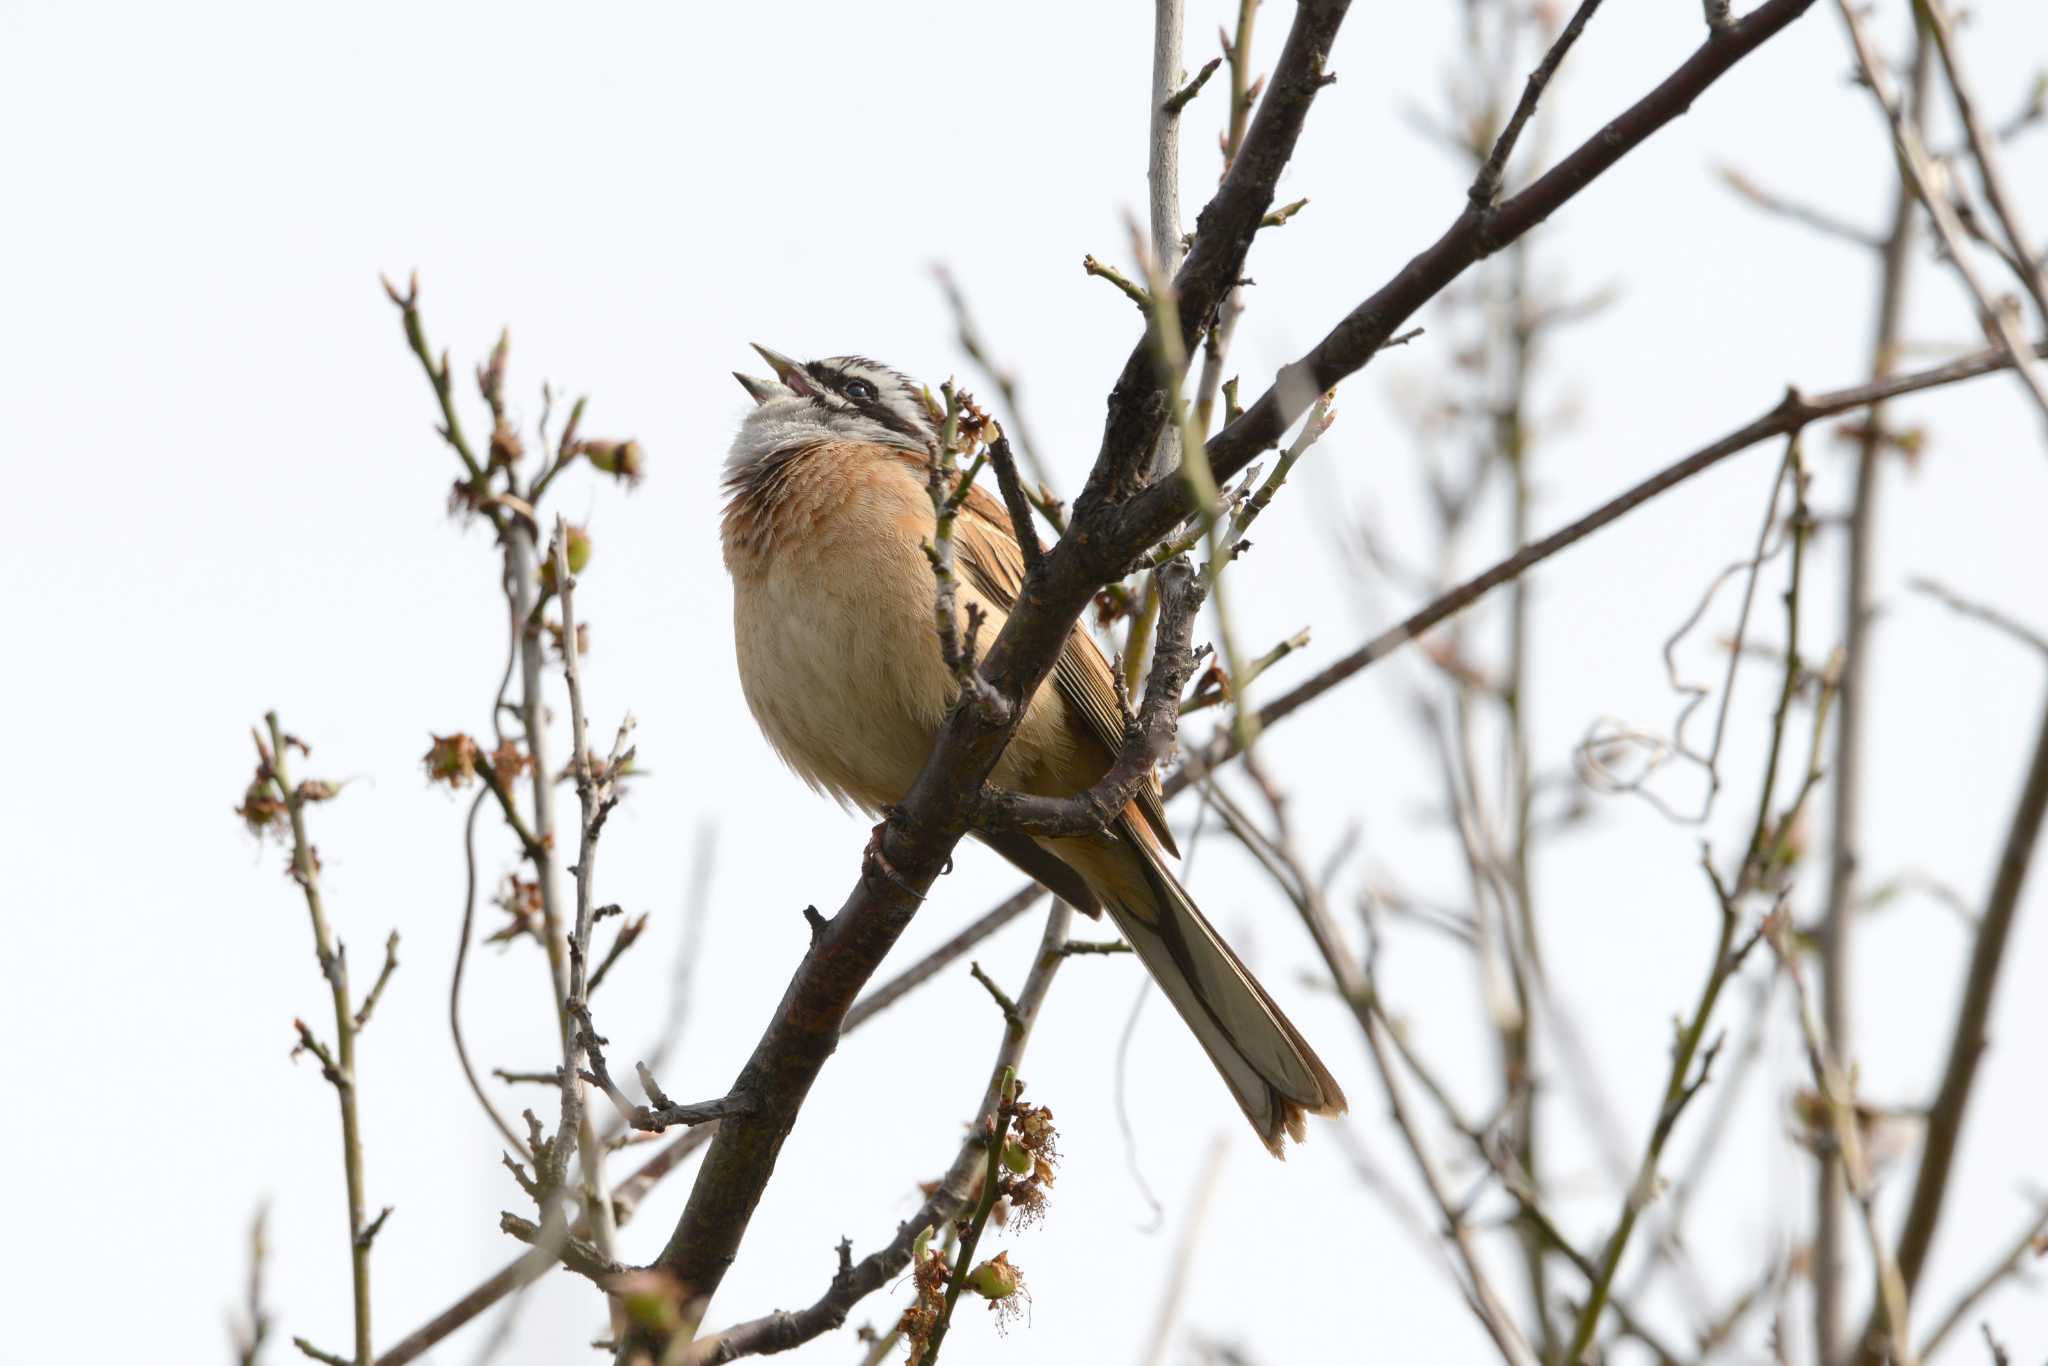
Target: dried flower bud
[1027,1200]
[1034,1122]
[521,902]
[451,759]
[508,761]
[463,499]
[506,446]
[491,378]
[260,810]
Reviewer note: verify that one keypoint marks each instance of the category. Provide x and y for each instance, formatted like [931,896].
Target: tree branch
[1966,1043]
[1793,413]
[1925,177]
[1474,235]
[338,1066]
[1846,823]
[1148,737]
[914,844]
[779,1332]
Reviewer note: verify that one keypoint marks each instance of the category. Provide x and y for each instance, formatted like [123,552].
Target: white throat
[786,424]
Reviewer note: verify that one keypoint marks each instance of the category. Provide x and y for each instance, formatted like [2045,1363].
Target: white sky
[227,497]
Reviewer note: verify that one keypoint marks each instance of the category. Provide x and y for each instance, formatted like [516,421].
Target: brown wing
[990,559]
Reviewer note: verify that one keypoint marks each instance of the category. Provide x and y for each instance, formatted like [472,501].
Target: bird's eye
[859,389]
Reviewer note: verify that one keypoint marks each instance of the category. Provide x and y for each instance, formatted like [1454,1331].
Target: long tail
[1275,1076]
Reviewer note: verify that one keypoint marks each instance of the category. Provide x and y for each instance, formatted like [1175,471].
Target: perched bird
[839,656]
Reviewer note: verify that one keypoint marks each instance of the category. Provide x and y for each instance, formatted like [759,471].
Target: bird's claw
[875,858]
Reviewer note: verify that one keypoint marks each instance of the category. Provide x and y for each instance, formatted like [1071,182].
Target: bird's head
[840,398]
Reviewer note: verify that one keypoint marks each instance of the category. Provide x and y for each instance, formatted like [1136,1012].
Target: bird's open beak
[786,370]
[760,390]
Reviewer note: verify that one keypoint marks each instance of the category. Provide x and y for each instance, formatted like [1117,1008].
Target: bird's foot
[873,857]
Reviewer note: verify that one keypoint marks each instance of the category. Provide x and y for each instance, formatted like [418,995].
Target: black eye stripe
[837,378]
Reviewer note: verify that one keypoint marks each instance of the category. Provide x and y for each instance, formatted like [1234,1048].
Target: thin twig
[1486,186]
[2020,250]
[1969,1036]
[1819,220]
[1977,611]
[1792,414]
[1162,175]
[339,1066]
[1836,1094]
[1134,292]
[1926,181]
[2008,1265]
[250,1335]
[596,793]
[1196,1214]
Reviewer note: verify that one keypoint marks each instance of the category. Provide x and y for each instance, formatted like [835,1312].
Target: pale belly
[843,673]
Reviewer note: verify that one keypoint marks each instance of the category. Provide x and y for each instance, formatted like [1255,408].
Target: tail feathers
[1275,1076]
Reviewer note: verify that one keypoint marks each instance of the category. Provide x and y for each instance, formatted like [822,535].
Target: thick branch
[1215,261]
[855,1281]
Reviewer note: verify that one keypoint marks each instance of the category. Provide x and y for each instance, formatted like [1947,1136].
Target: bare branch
[1967,1042]
[383,976]
[1475,234]
[1977,611]
[2008,1265]
[1926,181]
[1148,737]
[597,793]
[1845,827]
[1836,1094]
[1486,186]
[1016,502]
[338,1065]
[1130,290]
[1792,414]
[1162,174]
[1819,220]
[2020,250]
[855,1281]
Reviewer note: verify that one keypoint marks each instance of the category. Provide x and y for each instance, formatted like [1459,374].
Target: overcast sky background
[227,496]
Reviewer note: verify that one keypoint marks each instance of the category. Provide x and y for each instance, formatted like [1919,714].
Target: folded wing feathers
[1275,1076]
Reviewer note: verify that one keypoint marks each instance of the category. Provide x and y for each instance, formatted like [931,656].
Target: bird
[828,512]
